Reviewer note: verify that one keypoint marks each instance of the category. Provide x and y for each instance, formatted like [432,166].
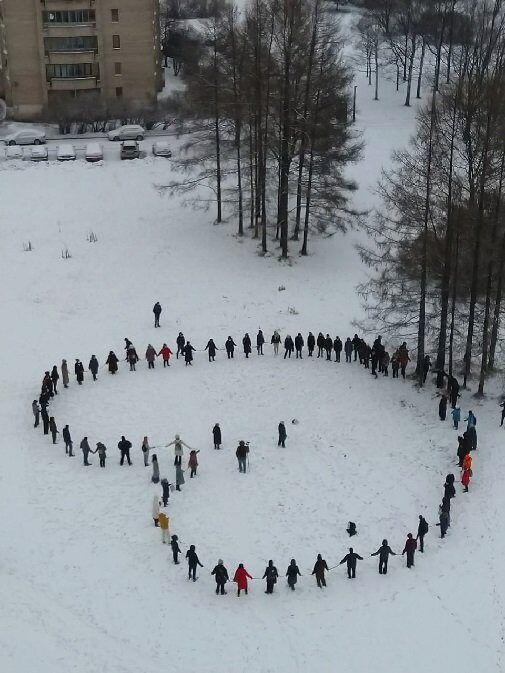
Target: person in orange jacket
[240,578]
[467,462]
[465,479]
[166,353]
[164,521]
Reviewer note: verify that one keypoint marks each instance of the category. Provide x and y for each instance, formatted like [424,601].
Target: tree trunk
[449,48]
[421,63]
[376,58]
[453,304]
[411,68]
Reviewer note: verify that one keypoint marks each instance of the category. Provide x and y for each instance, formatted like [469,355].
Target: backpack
[425,527]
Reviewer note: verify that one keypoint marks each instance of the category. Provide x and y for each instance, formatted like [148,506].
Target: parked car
[93,152]
[14,152]
[161,148]
[130,149]
[25,137]
[65,153]
[39,154]
[127,132]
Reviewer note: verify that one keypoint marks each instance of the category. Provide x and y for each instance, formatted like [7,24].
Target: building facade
[54,51]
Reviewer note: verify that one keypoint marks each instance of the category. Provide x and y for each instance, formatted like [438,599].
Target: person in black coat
[216,435]
[79,371]
[298,345]
[292,574]
[289,346]
[320,344]
[383,553]
[54,378]
[350,559]
[351,529]
[320,567]
[157,312]
[175,549]
[282,435]
[260,340]
[356,344]
[443,521]
[442,408]
[68,441]
[422,529]
[328,345]
[45,419]
[446,507]
[271,576]
[311,342]
[54,430]
[165,486]
[93,367]
[193,562]
[188,353]
[246,343]
[221,575]
[211,347]
[124,446]
[348,348]
[453,387]
[337,347]
[449,490]
[181,342]
[230,347]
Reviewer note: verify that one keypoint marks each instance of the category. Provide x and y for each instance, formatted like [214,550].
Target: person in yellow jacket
[164,521]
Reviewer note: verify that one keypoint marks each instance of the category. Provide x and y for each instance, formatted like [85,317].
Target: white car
[66,153]
[25,137]
[161,148]
[14,152]
[127,132]
[93,152]
[39,154]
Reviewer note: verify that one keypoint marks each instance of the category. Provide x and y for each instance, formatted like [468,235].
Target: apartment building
[58,50]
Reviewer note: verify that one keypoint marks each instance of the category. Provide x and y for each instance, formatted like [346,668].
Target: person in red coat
[409,549]
[465,479]
[166,353]
[240,578]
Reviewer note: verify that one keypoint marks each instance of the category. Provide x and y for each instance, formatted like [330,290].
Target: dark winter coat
[193,559]
[276,339]
[383,552]
[93,366]
[292,573]
[66,435]
[449,490]
[348,346]
[216,433]
[337,345]
[356,342]
[320,341]
[282,431]
[54,376]
[52,426]
[328,344]
[260,339]
[246,342]
[175,546]
[288,344]
[188,352]
[211,347]
[79,370]
[220,573]
[242,451]
[180,341]
[442,407]
[270,574]
[319,567]
[157,309]
[124,445]
[351,559]
[311,341]
[423,527]
[112,362]
[298,342]
[230,345]
[131,354]
[410,545]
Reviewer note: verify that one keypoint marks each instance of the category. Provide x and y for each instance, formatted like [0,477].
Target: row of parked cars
[36,137]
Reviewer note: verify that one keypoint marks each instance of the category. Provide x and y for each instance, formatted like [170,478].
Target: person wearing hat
[163,521]
[221,575]
[175,549]
[216,435]
[193,562]
[93,366]
[241,453]
[79,371]
[178,450]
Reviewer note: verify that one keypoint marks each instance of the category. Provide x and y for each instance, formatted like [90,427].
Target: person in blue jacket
[456,416]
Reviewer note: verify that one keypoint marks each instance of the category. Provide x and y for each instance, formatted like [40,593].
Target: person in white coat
[156,510]
[178,445]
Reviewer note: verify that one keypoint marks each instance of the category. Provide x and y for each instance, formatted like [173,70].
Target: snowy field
[85,583]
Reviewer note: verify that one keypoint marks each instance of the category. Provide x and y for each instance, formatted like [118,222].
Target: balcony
[73,83]
[78,56]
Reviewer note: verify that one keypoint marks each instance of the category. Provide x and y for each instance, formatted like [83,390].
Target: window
[119,91]
[71,43]
[114,15]
[70,70]
[117,68]
[69,16]
[116,42]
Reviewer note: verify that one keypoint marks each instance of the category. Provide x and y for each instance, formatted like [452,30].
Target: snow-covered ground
[85,583]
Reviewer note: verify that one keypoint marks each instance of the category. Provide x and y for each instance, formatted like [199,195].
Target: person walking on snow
[193,562]
[240,578]
[64,373]
[426,367]
[93,367]
[260,340]
[442,408]
[216,436]
[157,312]
[246,343]
[179,477]
[467,462]
[124,447]
[241,453]
[311,342]
[68,441]
[422,530]
[211,347]
[47,385]
[292,573]
[230,347]
[282,435]
[350,559]
[155,478]
[181,342]
[145,451]
[383,553]
[86,449]
[221,574]
[178,445]
[54,378]
[328,344]
[456,417]
[299,345]
[320,344]
[193,462]
[403,357]
[443,521]
[470,420]
[188,353]
[410,549]
[465,479]
[271,576]
[337,347]
[112,362]
[395,364]
[150,356]
[165,491]
[289,346]
[320,567]
[348,348]
[79,371]
[45,419]
[175,549]
[101,449]
[165,352]
[53,429]
[156,510]
[132,357]
[36,413]
[355,344]
[275,340]
[164,522]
